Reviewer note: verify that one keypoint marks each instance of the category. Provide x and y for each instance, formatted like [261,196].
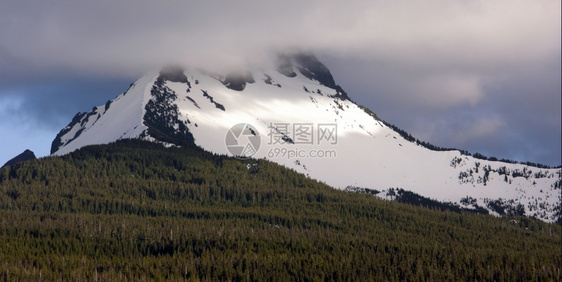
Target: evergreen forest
[135,210]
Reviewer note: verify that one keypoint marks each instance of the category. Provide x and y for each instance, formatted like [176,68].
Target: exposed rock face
[312,68]
[173,74]
[162,114]
[57,142]
[237,80]
[309,66]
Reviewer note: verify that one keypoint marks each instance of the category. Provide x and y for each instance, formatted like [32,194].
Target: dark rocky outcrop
[173,74]
[237,80]
[312,68]
[162,117]
[57,142]
[217,105]
[309,66]
[107,105]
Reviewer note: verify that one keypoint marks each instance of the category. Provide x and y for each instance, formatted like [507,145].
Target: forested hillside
[135,210]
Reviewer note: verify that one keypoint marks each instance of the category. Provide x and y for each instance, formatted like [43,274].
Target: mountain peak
[309,66]
[295,114]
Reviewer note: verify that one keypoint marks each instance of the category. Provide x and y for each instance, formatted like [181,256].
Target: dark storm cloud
[471,74]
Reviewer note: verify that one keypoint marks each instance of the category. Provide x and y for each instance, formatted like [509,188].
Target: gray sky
[477,75]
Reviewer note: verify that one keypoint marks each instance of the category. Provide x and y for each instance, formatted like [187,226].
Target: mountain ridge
[308,123]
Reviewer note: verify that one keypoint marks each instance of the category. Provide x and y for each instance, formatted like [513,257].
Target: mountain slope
[296,115]
[24,156]
[134,210]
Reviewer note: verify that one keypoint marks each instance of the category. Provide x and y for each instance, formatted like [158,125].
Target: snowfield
[313,129]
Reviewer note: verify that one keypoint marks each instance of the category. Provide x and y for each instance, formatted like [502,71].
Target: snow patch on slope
[122,120]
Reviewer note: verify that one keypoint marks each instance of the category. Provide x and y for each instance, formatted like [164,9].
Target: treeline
[432,147]
[408,197]
[134,210]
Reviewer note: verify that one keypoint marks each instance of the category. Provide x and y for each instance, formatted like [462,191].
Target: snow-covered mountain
[294,113]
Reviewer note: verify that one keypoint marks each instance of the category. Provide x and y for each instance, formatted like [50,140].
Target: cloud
[407,60]
[105,35]
[477,128]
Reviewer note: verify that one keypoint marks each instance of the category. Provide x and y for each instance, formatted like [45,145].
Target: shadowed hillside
[136,210]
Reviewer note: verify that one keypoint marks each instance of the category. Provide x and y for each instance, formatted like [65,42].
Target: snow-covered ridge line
[306,122]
